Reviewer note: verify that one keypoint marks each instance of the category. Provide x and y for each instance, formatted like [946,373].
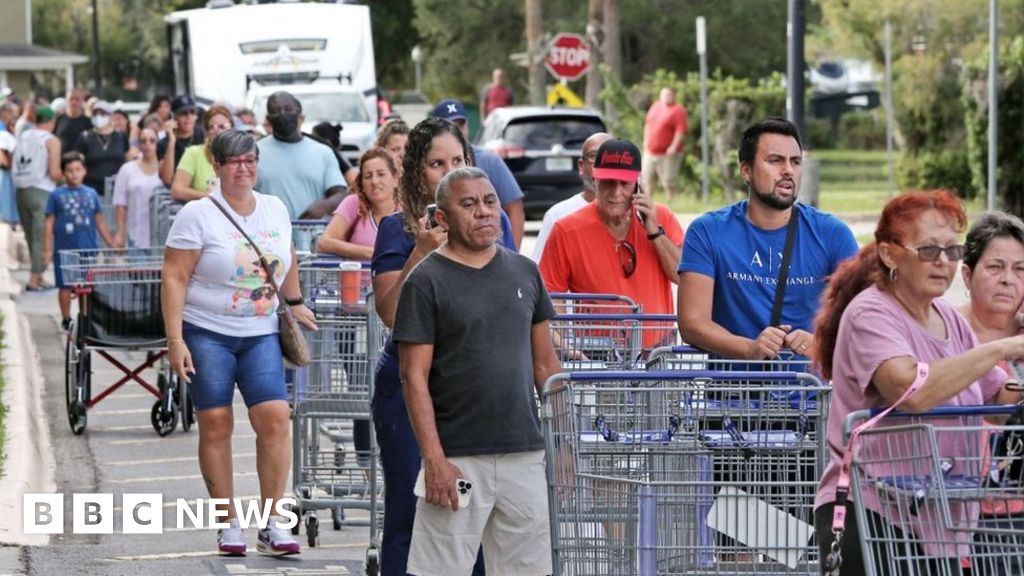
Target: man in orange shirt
[622,243]
[664,131]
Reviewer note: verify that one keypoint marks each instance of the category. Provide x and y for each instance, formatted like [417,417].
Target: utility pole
[96,47]
[595,38]
[612,46]
[795,65]
[534,51]
[993,100]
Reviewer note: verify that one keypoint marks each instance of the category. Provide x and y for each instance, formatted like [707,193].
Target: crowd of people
[752,279]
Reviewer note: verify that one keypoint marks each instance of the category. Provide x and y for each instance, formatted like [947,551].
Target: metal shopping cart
[686,357]
[634,481]
[119,309]
[939,492]
[335,454]
[162,210]
[586,303]
[597,341]
[305,233]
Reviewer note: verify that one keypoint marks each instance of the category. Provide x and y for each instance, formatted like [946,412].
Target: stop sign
[568,56]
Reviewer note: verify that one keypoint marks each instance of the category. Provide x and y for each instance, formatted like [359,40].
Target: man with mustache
[730,264]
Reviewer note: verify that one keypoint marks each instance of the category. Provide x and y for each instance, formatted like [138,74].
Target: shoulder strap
[787,251]
[259,254]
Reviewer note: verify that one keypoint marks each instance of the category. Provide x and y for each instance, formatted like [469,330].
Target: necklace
[105,140]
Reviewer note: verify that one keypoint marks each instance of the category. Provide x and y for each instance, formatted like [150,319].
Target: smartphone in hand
[639,215]
[464,487]
[431,215]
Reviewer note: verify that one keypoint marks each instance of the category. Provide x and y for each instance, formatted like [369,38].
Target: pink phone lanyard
[834,558]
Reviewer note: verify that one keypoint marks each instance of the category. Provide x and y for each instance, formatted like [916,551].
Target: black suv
[541,146]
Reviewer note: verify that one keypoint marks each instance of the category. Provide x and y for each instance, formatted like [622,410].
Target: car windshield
[324,106]
[543,133]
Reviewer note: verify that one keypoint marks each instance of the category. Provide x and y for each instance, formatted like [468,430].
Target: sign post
[568,56]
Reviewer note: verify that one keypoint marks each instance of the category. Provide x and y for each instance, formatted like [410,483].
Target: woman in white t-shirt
[219,316]
[134,185]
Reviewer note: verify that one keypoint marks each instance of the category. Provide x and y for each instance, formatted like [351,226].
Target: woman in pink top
[353,228]
[993,272]
[881,315]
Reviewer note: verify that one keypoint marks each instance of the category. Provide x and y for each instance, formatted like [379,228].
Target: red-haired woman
[881,316]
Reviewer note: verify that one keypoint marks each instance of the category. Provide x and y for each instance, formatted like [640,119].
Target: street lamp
[417,59]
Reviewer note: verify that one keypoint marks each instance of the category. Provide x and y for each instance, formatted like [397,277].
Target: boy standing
[74,214]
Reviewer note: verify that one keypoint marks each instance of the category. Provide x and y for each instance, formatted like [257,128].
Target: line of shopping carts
[335,456]
[665,461]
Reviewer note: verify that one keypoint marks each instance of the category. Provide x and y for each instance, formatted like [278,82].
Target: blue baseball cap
[450,110]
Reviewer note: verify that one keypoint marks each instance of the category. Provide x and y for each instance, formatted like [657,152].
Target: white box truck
[241,53]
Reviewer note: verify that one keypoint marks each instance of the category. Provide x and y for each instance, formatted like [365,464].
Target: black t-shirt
[69,129]
[479,322]
[104,156]
[180,144]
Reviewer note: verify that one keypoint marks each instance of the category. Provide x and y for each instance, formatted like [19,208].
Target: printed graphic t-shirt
[743,260]
[228,292]
[74,211]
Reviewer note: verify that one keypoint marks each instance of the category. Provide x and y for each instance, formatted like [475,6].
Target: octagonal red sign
[568,56]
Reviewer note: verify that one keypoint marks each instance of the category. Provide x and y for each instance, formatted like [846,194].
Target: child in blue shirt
[74,214]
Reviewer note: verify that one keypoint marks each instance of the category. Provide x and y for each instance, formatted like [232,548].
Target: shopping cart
[118,295]
[918,485]
[686,357]
[586,303]
[162,210]
[591,341]
[634,482]
[335,454]
[305,233]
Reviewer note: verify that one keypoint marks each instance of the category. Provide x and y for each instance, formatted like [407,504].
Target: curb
[28,465]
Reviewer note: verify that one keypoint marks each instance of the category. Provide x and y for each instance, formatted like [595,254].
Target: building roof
[31,57]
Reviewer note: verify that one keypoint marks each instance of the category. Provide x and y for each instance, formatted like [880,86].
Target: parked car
[541,147]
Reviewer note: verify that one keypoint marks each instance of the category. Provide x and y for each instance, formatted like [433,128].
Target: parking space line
[146,479]
[191,458]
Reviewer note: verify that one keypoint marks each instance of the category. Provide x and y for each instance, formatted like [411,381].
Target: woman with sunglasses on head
[882,328]
[222,328]
[195,176]
[136,181]
[435,147]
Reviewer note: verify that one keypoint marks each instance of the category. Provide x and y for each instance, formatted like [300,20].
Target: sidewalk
[28,465]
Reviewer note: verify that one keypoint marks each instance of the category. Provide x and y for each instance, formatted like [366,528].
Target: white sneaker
[276,541]
[231,540]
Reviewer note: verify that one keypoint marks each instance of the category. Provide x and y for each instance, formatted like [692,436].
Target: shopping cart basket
[920,483]
[305,233]
[610,341]
[119,309]
[162,211]
[634,482]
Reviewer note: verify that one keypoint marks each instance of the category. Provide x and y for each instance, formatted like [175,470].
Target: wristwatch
[295,301]
[658,234]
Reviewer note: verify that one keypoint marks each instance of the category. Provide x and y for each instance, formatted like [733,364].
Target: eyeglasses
[930,253]
[627,258]
[236,161]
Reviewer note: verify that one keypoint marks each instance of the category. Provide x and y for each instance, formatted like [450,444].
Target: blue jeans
[400,461]
[254,362]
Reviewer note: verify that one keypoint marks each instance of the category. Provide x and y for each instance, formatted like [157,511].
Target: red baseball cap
[617,160]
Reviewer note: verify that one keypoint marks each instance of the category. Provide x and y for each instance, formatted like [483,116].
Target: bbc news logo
[144,513]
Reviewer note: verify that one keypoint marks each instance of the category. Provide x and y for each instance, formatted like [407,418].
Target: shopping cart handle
[615,317]
[589,296]
[687,375]
[309,222]
[986,410]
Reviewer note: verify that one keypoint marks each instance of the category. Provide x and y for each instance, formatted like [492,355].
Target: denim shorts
[254,362]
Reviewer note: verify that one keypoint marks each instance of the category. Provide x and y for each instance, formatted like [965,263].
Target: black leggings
[853,557]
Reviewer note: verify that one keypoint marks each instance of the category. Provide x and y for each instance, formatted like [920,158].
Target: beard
[771,200]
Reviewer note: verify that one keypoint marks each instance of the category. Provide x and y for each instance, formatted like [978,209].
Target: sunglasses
[930,253]
[627,258]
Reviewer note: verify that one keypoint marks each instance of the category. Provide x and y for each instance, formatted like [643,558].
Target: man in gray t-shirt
[472,328]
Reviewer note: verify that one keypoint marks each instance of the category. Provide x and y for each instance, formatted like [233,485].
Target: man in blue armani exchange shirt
[731,257]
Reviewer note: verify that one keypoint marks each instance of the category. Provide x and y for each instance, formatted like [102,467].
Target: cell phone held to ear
[464,487]
[431,216]
[636,192]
